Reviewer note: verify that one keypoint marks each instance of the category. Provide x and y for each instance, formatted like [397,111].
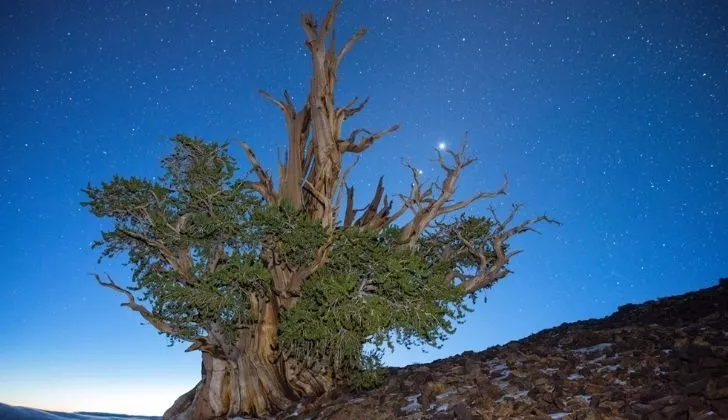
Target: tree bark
[249,379]
[245,386]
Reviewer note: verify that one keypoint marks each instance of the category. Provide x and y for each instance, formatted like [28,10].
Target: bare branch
[350,43]
[426,208]
[350,146]
[308,22]
[349,109]
[283,107]
[490,269]
[329,18]
[265,184]
[349,213]
[341,185]
[314,192]
[371,209]
[464,203]
[131,303]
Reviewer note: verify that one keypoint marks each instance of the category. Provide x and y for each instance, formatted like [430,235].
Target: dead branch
[341,186]
[350,43]
[464,203]
[283,107]
[426,208]
[350,146]
[131,303]
[349,109]
[264,186]
[371,209]
[491,269]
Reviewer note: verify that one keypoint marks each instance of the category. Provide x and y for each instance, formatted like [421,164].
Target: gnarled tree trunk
[252,380]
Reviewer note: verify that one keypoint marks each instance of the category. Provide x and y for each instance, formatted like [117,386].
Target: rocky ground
[664,359]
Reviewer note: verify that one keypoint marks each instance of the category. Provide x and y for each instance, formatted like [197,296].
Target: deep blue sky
[609,115]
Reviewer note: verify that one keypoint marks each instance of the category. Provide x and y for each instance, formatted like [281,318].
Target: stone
[462,412]
[717,389]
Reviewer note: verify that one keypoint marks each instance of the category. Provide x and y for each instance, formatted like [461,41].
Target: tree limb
[264,186]
[131,303]
[350,43]
[426,208]
[491,269]
[464,203]
[283,107]
[349,109]
[349,145]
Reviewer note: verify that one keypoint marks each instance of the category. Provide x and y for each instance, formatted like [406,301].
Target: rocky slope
[664,359]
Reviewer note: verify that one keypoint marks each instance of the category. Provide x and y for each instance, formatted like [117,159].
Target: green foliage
[371,373]
[445,243]
[188,236]
[370,291]
[291,232]
[204,246]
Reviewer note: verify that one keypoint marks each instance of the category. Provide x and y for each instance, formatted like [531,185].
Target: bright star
[442,145]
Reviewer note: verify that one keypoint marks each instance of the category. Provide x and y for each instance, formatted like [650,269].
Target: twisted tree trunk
[253,380]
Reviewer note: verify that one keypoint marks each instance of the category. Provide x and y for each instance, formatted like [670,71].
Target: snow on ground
[9,412]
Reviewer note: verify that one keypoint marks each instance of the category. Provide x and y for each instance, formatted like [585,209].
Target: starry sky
[608,115]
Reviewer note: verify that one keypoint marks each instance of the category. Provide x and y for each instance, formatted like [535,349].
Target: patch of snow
[620,382]
[599,359]
[499,367]
[503,385]
[513,396]
[610,368]
[549,371]
[299,406]
[413,404]
[14,412]
[574,377]
[447,393]
[586,398]
[592,349]
[558,415]
[441,408]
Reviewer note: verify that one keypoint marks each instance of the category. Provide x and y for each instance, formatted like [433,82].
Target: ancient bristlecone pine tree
[275,283]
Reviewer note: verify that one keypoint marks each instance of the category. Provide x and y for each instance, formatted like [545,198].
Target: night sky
[608,115]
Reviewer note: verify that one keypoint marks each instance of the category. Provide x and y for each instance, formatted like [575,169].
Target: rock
[427,393]
[717,388]
[462,412]
[675,411]
[720,407]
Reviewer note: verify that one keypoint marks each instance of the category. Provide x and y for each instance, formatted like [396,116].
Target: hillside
[664,359]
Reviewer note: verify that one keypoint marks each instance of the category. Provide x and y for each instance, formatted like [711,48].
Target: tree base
[248,386]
